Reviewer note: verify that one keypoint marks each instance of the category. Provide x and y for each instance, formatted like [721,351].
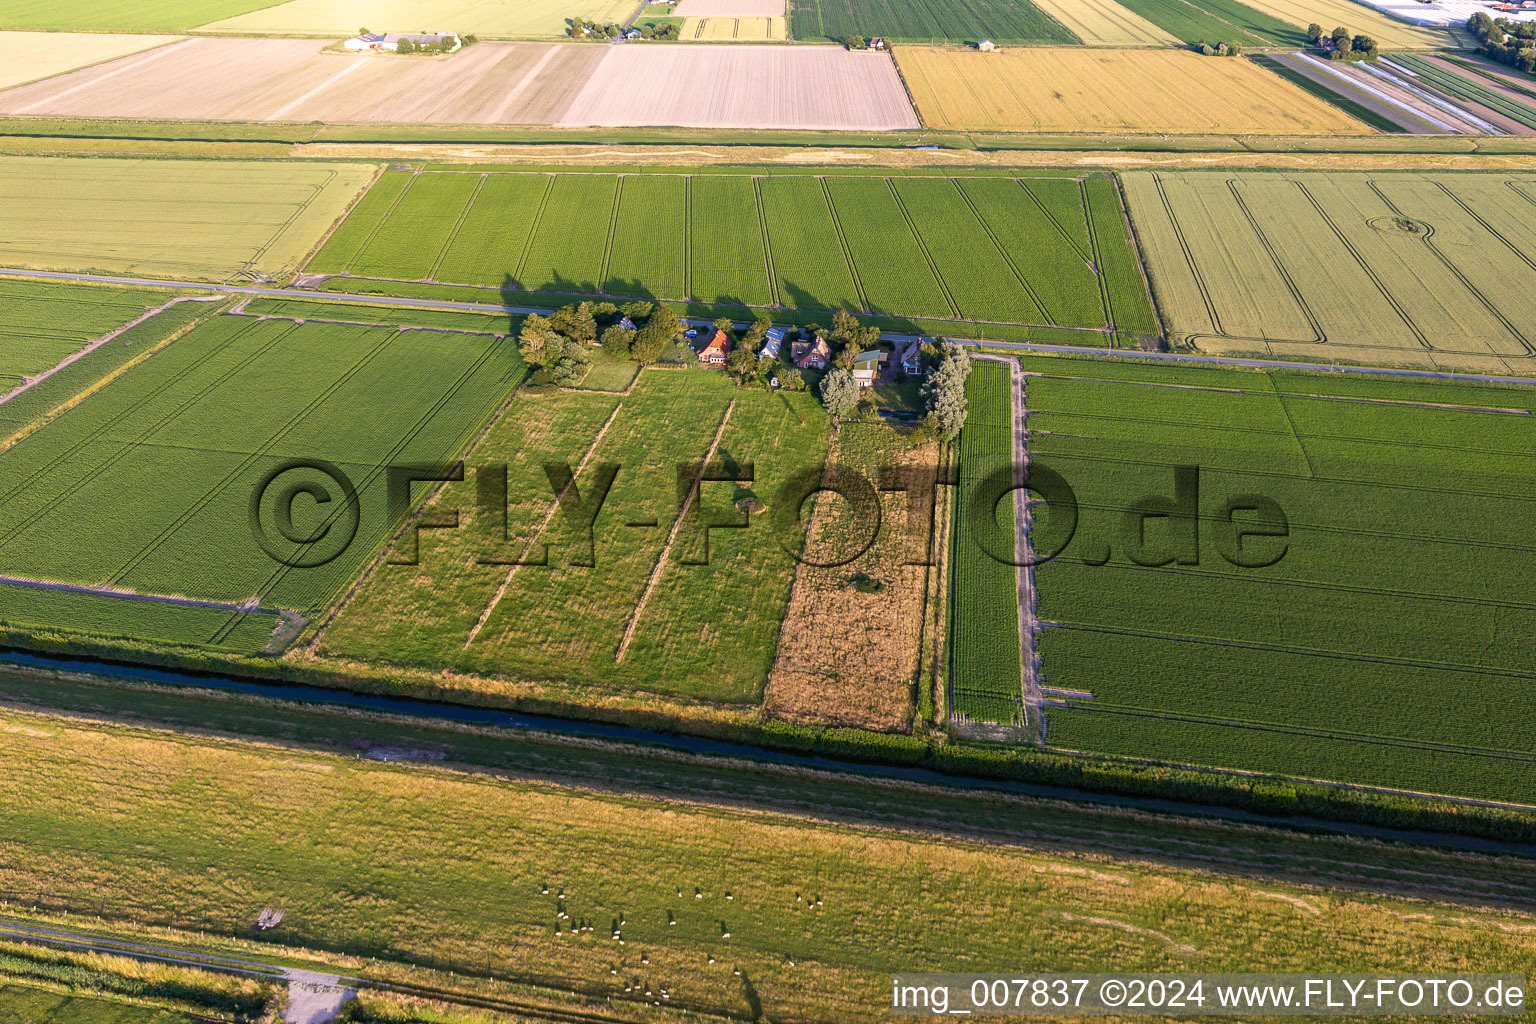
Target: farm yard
[491,19]
[664,607]
[169,217]
[152,474]
[1105,23]
[1431,270]
[938,21]
[1050,250]
[1398,605]
[1080,90]
[36,55]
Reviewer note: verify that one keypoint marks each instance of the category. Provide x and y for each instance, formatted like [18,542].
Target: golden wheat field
[1081,90]
[718,29]
[1106,23]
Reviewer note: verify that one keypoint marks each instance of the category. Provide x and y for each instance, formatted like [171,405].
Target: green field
[1429,269]
[1048,250]
[1213,21]
[152,475]
[114,819]
[23,1004]
[187,219]
[120,15]
[943,21]
[985,648]
[707,630]
[1387,645]
[42,324]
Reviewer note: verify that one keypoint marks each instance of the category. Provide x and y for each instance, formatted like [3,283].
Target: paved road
[1020,346]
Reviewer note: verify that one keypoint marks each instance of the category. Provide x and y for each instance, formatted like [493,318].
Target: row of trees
[943,392]
[581,28]
[1509,42]
[558,346]
[1220,49]
[1343,45]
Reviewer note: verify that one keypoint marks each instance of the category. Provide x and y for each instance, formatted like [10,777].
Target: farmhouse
[771,347]
[911,357]
[986,46]
[867,367]
[715,352]
[811,355]
[377,41]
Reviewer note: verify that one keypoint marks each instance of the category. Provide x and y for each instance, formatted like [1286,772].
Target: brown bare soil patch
[848,656]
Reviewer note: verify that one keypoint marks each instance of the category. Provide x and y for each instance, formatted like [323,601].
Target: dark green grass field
[24,1004]
[1389,644]
[42,323]
[151,477]
[1213,21]
[139,16]
[941,21]
[984,643]
[1048,250]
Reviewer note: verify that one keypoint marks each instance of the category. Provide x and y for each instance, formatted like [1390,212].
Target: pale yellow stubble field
[1082,90]
[505,19]
[30,56]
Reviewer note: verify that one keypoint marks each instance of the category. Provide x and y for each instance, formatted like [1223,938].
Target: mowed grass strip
[940,21]
[985,646]
[169,217]
[1090,90]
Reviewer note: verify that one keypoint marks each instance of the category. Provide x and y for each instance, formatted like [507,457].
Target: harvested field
[735,29]
[932,21]
[1399,599]
[493,19]
[1106,23]
[169,217]
[729,9]
[1389,32]
[292,80]
[743,87]
[1082,90]
[853,633]
[119,15]
[35,55]
[1421,269]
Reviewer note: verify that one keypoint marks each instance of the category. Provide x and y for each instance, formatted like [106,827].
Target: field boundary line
[688,238]
[613,230]
[533,229]
[933,266]
[1029,290]
[458,226]
[249,266]
[30,428]
[762,221]
[1320,336]
[554,508]
[93,345]
[309,257]
[842,240]
[666,551]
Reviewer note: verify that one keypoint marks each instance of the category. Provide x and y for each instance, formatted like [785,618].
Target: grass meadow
[152,476]
[25,1004]
[1385,646]
[989,249]
[1434,270]
[469,872]
[705,631]
[169,217]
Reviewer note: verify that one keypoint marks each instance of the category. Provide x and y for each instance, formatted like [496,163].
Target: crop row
[1013,251]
